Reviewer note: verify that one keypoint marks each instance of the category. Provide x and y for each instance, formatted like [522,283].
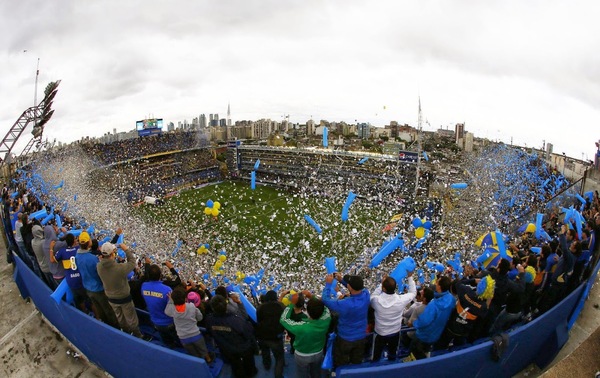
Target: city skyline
[509,70]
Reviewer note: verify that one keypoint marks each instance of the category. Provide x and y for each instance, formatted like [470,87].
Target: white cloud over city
[529,71]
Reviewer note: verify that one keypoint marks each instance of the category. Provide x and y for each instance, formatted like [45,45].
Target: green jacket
[310,334]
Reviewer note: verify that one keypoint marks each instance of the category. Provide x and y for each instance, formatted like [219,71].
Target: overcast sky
[526,70]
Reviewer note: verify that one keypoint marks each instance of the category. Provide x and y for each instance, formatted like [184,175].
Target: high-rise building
[202,121]
[262,128]
[214,120]
[228,114]
[549,150]
[468,141]
[459,132]
[363,130]
[310,127]
[393,127]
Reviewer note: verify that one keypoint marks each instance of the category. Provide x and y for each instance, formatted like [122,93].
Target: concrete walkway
[30,347]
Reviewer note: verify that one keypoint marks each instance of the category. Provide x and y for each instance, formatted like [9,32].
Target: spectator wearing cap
[116,285]
[234,337]
[197,293]
[87,264]
[194,298]
[349,347]
[310,334]
[269,332]
[431,323]
[388,307]
[156,296]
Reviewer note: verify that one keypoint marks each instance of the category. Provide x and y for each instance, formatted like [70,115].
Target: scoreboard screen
[149,124]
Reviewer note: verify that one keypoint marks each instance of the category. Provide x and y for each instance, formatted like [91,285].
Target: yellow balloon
[207,210]
[222,257]
[199,251]
[215,211]
[216,205]
[530,228]
[218,264]
[420,232]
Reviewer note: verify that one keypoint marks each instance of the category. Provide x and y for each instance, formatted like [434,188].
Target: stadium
[281,216]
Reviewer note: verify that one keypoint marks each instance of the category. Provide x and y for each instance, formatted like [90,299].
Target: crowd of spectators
[328,173]
[394,321]
[135,147]
[412,324]
[157,175]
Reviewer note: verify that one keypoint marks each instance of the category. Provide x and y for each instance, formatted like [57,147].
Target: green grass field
[265,228]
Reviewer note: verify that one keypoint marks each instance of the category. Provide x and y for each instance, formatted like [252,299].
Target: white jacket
[389,308]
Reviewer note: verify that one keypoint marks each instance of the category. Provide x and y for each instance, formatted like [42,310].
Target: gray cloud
[522,68]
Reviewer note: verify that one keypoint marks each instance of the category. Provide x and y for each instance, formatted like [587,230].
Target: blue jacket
[352,311]
[432,321]
[86,263]
[155,295]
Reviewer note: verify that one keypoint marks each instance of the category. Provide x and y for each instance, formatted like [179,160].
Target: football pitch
[266,228]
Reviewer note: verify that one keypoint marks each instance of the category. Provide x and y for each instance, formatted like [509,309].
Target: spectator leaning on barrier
[269,332]
[116,286]
[471,306]
[310,335]
[27,236]
[37,244]
[388,307]
[155,295]
[51,245]
[349,347]
[186,317]
[564,268]
[22,250]
[87,264]
[424,297]
[431,323]
[66,256]
[234,337]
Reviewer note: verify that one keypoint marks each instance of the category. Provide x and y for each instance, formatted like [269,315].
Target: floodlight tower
[38,115]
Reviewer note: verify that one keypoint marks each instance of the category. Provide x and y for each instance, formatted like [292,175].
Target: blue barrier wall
[123,355]
[119,353]
[538,341]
